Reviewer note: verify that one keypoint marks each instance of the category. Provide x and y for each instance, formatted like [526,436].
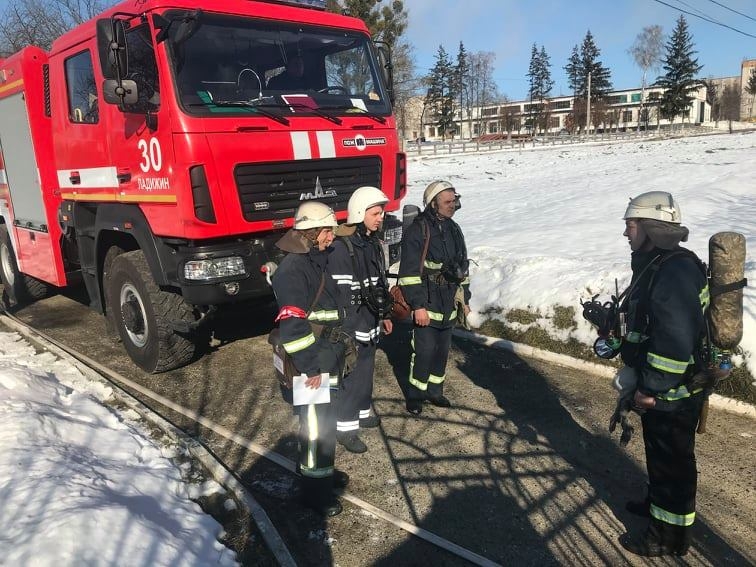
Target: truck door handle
[123,175]
[75,178]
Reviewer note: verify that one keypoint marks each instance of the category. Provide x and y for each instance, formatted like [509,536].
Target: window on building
[493,127]
[490,111]
[476,129]
[535,107]
[554,122]
[635,97]
[560,104]
[616,99]
[627,116]
[82,90]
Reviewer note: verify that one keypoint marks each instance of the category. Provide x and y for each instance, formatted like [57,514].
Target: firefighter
[358,266]
[433,269]
[309,317]
[665,326]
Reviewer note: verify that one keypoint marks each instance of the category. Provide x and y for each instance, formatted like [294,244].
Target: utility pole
[588,108]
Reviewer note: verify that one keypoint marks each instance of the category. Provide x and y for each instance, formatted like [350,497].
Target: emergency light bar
[317,4]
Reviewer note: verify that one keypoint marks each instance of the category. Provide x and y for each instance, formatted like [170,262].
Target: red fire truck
[157,153]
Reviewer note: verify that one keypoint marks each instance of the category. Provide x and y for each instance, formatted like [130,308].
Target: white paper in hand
[304,396]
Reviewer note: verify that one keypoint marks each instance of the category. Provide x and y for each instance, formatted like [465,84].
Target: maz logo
[318,193]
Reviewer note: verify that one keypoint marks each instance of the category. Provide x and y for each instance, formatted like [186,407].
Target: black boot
[415,407]
[350,441]
[440,401]
[659,539]
[370,421]
[340,479]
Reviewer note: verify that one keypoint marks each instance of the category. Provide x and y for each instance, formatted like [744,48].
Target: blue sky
[510,27]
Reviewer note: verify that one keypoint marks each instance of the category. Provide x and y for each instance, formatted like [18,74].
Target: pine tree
[540,82]
[679,80]
[441,93]
[573,70]
[601,83]
[461,83]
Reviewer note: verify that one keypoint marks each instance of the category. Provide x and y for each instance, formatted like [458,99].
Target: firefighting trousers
[356,391]
[670,438]
[430,350]
[317,449]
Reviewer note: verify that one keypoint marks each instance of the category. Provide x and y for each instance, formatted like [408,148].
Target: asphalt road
[521,470]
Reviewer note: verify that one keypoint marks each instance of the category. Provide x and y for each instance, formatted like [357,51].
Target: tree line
[454,87]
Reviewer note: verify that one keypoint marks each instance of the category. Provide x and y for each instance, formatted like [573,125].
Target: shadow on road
[527,483]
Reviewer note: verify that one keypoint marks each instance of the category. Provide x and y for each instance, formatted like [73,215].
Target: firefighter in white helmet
[661,348]
[309,317]
[358,266]
[433,276]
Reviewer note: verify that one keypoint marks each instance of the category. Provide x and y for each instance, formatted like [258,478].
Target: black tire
[19,289]
[142,313]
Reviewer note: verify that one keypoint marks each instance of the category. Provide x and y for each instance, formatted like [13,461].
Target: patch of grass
[564,317]
[738,385]
[523,316]
[538,337]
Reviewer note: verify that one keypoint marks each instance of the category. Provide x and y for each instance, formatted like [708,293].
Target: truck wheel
[20,289]
[143,314]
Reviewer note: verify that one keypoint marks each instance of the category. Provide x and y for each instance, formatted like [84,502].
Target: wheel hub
[132,316]
[5,264]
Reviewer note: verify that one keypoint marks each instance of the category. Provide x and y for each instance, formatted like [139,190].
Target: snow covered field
[83,484]
[545,225]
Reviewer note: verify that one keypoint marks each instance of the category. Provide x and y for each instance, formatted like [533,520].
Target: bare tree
[647,52]
[40,22]
[730,105]
[482,88]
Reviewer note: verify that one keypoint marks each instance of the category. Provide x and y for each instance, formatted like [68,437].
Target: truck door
[85,171]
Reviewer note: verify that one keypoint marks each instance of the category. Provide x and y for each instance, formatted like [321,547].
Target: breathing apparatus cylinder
[727,252]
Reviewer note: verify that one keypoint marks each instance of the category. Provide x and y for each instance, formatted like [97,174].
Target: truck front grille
[274,190]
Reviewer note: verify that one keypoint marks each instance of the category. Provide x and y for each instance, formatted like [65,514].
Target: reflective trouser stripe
[435,316]
[670,518]
[300,344]
[412,380]
[436,379]
[309,467]
[411,280]
[431,265]
[347,425]
[364,413]
[667,364]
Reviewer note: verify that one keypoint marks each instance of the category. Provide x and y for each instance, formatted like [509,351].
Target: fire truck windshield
[232,64]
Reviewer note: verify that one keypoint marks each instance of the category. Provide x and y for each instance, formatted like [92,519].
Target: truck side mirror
[111,48]
[387,68]
[120,92]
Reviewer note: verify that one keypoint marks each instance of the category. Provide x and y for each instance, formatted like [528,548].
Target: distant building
[620,110]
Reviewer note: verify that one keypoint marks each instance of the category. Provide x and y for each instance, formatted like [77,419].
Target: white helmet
[656,205]
[361,200]
[313,214]
[434,189]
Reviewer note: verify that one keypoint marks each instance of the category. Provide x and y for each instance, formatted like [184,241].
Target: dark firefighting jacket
[426,287]
[368,268]
[665,321]
[305,327]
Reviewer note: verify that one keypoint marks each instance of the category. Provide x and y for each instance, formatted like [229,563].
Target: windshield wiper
[316,111]
[247,104]
[364,112]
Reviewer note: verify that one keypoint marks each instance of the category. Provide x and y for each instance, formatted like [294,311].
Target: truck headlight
[214,268]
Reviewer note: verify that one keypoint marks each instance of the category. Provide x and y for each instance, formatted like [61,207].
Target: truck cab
[183,140]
